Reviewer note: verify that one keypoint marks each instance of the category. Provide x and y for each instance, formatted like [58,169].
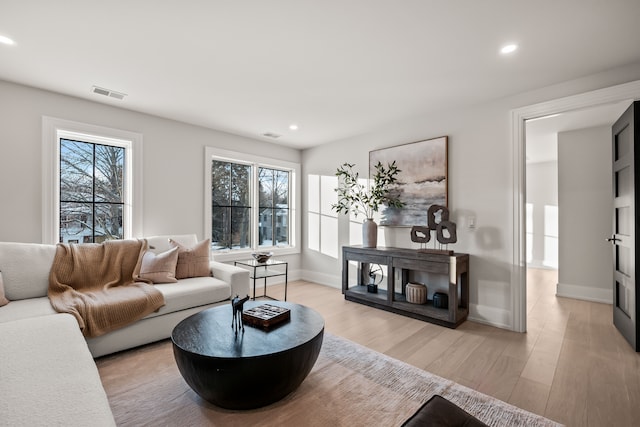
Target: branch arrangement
[354,196]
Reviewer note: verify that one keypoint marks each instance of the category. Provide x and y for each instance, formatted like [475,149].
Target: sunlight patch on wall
[329,236]
[322,229]
[355,232]
[313,235]
[328,196]
[529,221]
[550,236]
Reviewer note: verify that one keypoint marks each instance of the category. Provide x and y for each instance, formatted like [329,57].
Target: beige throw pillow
[160,268]
[3,299]
[192,262]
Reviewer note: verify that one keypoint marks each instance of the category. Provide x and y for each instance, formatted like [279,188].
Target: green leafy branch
[353,196]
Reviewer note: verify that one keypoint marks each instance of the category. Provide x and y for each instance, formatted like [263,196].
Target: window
[91,191]
[231,205]
[274,217]
[88,183]
[250,203]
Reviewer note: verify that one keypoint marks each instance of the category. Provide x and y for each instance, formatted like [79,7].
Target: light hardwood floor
[571,366]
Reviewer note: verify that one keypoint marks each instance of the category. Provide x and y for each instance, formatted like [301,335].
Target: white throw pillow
[159,268]
[193,261]
[160,243]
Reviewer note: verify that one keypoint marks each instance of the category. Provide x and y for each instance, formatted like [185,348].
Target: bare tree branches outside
[274,207]
[231,197]
[231,205]
[91,192]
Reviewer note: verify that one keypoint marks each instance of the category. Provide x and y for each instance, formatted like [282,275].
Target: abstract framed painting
[422,181]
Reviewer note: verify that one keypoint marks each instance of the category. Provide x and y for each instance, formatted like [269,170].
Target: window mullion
[59,180]
[274,225]
[229,216]
[290,201]
[255,206]
[93,195]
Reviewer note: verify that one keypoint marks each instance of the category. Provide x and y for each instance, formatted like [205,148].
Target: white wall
[542,193]
[173,178]
[585,205]
[480,176]
[481,183]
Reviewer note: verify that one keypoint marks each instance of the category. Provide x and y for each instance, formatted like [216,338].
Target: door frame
[619,93]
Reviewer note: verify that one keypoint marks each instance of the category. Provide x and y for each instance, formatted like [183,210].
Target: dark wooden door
[626,149]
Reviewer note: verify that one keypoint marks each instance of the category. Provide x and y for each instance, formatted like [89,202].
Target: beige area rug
[350,385]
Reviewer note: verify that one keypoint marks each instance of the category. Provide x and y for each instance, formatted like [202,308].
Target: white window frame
[212,153]
[53,129]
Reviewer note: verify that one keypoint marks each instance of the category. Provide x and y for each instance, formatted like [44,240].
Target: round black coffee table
[249,370]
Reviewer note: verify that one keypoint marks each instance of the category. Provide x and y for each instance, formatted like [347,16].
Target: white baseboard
[498,317]
[322,278]
[585,293]
[491,316]
[310,276]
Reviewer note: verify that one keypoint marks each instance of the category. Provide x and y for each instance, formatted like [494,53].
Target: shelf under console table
[402,264]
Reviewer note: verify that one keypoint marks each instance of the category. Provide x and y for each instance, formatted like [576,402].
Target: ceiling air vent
[108,92]
[271,135]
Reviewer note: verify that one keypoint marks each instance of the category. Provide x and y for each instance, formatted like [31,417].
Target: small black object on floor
[438,411]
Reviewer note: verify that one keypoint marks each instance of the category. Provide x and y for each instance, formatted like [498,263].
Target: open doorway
[568,206]
[626,92]
[541,210]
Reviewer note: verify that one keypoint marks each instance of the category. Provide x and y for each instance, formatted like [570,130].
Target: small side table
[264,270]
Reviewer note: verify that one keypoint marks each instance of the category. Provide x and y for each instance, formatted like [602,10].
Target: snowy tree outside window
[92,178]
[92,182]
[232,201]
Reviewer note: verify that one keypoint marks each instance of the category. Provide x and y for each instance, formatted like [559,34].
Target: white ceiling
[336,68]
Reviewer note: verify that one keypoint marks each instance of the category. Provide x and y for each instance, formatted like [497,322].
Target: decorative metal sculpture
[376,275]
[238,305]
[432,221]
[422,235]
[450,227]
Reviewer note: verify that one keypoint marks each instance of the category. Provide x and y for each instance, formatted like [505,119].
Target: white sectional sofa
[32,333]
[47,375]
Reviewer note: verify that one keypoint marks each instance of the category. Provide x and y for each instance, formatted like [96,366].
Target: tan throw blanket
[99,285]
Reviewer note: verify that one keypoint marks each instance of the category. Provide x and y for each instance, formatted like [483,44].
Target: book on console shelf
[265,316]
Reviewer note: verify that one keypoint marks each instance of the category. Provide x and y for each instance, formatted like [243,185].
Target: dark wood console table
[454,267]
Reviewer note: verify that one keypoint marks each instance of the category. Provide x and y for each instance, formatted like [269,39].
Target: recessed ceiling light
[6,40]
[510,48]
[293,127]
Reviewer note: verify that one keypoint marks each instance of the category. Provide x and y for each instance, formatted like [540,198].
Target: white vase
[369,233]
